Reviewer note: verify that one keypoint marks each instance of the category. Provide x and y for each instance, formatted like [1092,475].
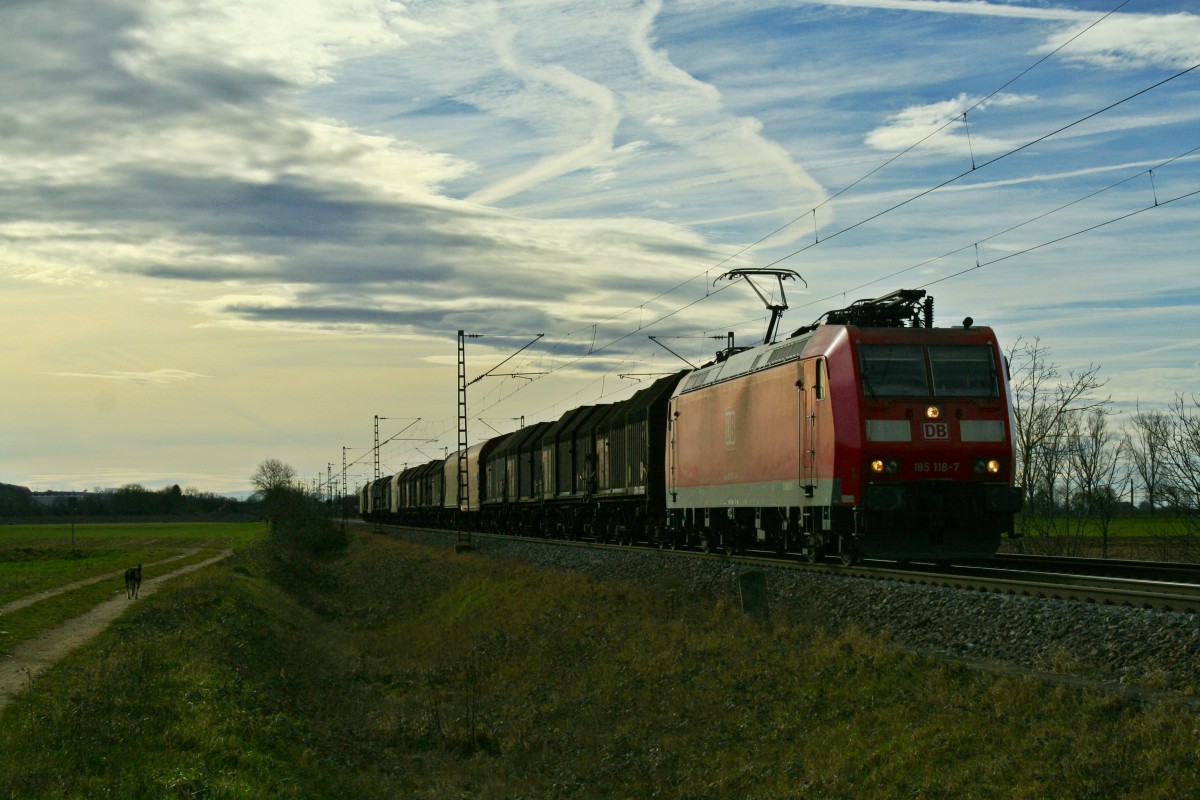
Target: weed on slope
[394,670]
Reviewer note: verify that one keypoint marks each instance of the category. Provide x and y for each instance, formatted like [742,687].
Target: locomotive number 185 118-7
[941,467]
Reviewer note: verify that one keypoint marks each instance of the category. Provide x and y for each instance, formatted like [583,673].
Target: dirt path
[118,575]
[31,658]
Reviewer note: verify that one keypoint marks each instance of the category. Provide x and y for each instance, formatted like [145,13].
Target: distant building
[54,499]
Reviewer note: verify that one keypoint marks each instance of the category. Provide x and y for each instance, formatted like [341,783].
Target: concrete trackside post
[752,588]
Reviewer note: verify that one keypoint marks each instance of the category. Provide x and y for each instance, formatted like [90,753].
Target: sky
[233,231]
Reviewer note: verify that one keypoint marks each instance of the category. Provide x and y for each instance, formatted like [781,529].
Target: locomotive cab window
[893,370]
[963,371]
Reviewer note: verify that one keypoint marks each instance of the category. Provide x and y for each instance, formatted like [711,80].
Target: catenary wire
[613,342]
[975,168]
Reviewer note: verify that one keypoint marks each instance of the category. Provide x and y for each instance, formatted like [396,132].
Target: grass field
[399,671]
[1155,538]
[217,535]
[36,559]
[1161,525]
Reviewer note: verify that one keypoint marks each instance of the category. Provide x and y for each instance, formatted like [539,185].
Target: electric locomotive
[868,434]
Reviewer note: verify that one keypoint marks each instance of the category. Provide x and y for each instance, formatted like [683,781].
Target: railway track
[1026,575]
[1165,571]
[1135,592]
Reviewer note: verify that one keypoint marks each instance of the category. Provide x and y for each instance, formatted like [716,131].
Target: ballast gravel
[1158,650]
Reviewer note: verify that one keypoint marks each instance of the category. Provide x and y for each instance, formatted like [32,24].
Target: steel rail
[1147,594]
[1162,595]
[1170,571]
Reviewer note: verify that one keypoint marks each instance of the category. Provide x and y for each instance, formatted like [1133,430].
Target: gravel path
[1140,651]
[118,575]
[31,658]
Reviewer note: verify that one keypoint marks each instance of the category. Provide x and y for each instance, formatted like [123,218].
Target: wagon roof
[642,400]
[571,423]
[432,466]
[519,440]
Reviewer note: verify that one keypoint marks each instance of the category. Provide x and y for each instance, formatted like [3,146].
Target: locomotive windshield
[936,371]
[963,371]
[893,370]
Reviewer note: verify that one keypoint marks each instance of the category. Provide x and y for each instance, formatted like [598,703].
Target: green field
[218,535]
[34,558]
[1161,525]
[1155,538]
[394,670]
[37,559]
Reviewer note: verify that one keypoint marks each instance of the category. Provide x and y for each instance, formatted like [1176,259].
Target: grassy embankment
[39,558]
[399,671]
[1160,537]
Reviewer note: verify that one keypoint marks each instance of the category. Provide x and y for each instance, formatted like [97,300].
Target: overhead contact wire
[1010,229]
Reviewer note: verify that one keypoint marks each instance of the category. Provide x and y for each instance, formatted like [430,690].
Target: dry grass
[398,671]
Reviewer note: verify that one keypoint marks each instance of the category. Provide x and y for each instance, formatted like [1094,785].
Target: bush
[301,521]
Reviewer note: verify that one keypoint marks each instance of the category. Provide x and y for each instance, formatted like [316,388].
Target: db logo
[936,430]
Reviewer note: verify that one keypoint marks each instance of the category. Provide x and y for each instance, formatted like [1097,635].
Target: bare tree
[273,481]
[1183,451]
[1182,484]
[297,519]
[272,476]
[1096,453]
[1044,401]
[1146,440]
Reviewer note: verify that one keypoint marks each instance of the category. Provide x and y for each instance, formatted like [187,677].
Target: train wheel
[667,538]
[814,548]
[846,553]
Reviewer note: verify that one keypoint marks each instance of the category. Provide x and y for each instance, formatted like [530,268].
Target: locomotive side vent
[786,353]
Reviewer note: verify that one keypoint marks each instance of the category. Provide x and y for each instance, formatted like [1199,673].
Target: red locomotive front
[937,459]
[887,439]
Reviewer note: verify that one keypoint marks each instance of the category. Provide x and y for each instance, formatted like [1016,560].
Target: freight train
[868,434]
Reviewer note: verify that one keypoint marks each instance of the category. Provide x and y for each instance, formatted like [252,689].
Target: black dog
[133,581]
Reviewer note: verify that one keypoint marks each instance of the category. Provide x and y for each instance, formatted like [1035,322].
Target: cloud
[943,124]
[959,7]
[294,41]
[615,112]
[1122,41]
[584,98]
[197,164]
[1133,41]
[158,377]
[301,201]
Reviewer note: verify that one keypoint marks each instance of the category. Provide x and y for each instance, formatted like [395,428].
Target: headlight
[933,412]
[879,466]
[989,466]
